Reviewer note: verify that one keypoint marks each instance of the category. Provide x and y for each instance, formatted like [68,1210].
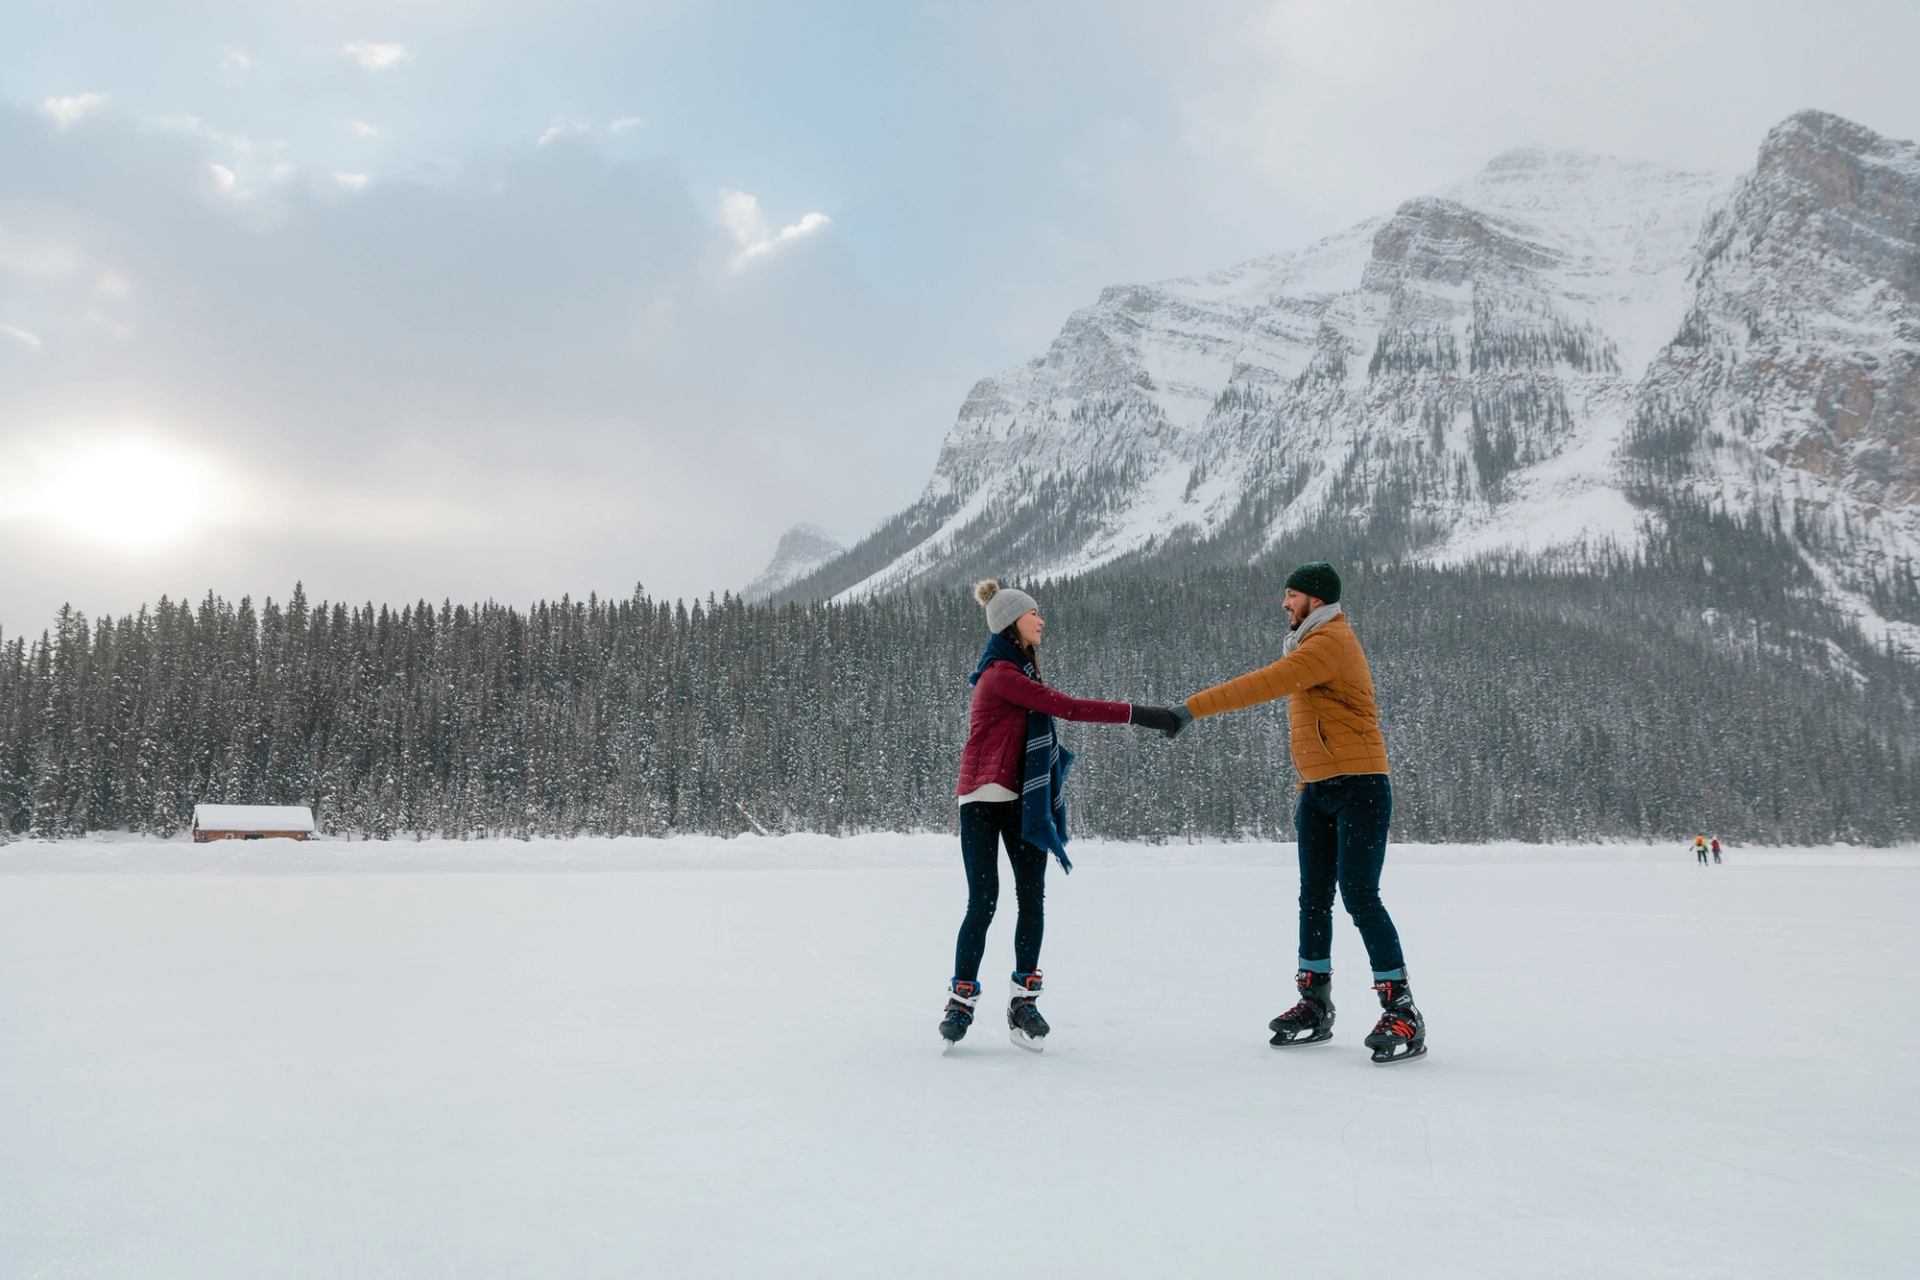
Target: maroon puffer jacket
[997,726]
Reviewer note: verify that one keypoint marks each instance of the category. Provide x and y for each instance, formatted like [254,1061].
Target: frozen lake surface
[717,1058]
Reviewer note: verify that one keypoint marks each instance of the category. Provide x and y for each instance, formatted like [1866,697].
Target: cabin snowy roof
[253,817]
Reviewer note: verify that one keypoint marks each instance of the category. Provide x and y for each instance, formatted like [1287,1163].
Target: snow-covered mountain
[803,550]
[1792,386]
[1534,359]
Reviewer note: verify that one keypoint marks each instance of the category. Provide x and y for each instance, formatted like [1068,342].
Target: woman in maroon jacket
[1010,775]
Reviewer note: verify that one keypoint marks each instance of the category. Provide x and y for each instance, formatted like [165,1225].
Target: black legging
[984,825]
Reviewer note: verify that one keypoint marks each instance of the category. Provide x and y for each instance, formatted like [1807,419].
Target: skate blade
[1418,1051]
[1030,1043]
[1297,1041]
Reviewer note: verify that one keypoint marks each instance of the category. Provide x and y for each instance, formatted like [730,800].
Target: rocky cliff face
[1793,382]
[1546,356]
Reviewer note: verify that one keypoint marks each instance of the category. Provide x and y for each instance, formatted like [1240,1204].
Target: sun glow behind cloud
[131,492]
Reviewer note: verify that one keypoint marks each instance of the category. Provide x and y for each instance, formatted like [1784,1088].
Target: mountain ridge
[1505,366]
[802,550]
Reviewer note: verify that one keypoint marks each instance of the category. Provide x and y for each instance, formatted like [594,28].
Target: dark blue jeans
[984,826]
[1343,841]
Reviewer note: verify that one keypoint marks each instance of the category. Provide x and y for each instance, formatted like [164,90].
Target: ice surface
[717,1058]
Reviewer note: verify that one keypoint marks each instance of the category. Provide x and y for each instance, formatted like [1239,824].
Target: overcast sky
[511,299]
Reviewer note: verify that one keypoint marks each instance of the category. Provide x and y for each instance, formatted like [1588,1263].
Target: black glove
[1165,719]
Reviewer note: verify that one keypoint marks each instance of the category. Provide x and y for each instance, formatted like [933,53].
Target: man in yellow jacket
[1346,802]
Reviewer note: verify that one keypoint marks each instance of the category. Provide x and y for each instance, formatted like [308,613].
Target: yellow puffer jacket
[1333,723]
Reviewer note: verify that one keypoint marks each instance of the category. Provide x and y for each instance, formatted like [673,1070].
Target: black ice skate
[1025,1026]
[961,998]
[1310,1021]
[1401,1032]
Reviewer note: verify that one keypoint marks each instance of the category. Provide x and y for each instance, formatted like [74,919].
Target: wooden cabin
[252,822]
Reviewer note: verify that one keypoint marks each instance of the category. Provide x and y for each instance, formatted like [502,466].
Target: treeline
[1611,700]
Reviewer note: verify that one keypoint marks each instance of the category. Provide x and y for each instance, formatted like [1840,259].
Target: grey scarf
[1318,618]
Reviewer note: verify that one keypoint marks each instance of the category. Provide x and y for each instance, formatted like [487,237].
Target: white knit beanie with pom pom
[1005,605]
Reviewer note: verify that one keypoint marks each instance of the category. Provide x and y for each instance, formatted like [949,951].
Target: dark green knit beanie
[1317,579]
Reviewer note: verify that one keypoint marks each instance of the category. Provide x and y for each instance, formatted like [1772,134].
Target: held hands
[1168,720]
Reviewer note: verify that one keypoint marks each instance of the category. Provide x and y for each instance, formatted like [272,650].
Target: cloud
[99,322]
[31,341]
[353,181]
[38,256]
[233,58]
[808,224]
[740,214]
[574,128]
[376,55]
[547,348]
[562,129]
[239,143]
[247,160]
[361,128]
[69,111]
[242,146]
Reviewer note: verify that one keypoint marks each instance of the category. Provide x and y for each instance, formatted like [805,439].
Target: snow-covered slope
[802,550]
[1461,376]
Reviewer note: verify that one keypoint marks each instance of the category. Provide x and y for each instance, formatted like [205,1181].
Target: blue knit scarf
[1043,793]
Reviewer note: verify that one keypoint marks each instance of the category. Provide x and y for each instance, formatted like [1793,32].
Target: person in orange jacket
[1345,805]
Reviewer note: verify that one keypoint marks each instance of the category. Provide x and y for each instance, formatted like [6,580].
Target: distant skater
[1700,849]
[1012,773]
[1714,844]
[1346,802]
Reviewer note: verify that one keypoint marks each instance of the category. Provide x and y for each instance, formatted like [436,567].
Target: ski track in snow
[702,1057]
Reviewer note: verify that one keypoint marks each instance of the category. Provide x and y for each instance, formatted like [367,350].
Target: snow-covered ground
[708,1058]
